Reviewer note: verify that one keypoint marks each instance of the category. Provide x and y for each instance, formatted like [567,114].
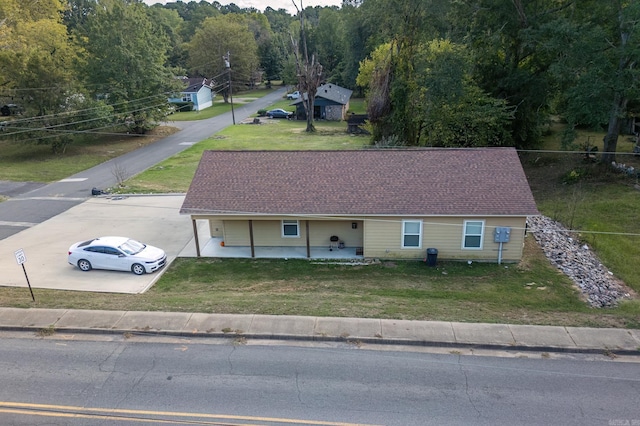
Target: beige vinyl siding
[268,233]
[216,228]
[383,238]
[380,237]
[236,233]
[321,231]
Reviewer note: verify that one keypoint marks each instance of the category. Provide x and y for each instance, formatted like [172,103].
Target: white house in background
[198,92]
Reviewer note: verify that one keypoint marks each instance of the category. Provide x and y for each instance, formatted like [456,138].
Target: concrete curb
[441,334]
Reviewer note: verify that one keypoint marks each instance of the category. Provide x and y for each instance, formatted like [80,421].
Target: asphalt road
[62,381]
[32,203]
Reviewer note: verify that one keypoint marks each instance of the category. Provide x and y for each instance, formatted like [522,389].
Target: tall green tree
[328,39]
[193,14]
[170,23]
[507,37]
[126,64]
[598,50]
[38,64]
[437,104]
[214,40]
[37,58]
[308,69]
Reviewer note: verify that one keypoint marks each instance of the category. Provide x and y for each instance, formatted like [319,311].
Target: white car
[116,254]
[294,95]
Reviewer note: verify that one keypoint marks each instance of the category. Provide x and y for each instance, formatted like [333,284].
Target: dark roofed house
[331,103]
[392,203]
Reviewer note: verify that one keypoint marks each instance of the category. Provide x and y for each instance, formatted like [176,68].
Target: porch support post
[195,236]
[308,247]
[253,250]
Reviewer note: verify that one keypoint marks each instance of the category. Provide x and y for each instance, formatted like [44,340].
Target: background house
[198,92]
[379,203]
[331,103]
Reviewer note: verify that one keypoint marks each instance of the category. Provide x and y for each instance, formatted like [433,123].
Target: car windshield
[132,247]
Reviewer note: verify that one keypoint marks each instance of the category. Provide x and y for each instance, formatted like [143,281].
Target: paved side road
[363,330]
[33,203]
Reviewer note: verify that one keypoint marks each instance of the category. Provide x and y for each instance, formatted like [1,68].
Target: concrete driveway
[151,219]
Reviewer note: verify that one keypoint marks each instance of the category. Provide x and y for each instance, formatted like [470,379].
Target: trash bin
[432,256]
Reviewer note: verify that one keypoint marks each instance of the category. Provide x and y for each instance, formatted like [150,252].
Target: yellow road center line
[6,406]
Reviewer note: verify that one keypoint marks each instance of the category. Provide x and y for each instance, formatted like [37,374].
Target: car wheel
[84,265]
[137,269]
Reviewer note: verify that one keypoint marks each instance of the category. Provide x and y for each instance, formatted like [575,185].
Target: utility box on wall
[502,234]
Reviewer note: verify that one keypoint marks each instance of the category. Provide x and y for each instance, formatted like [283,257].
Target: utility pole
[227,64]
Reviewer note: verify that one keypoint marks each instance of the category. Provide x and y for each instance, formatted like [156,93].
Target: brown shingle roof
[484,181]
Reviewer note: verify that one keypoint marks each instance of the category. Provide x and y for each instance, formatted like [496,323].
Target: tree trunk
[618,109]
[309,104]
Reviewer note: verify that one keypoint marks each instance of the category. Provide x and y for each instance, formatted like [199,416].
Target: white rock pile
[575,260]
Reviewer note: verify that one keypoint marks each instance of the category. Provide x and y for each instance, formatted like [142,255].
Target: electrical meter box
[502,234]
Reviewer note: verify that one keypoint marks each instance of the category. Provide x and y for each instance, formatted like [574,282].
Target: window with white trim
[290,229]
[473,234]
[411,233]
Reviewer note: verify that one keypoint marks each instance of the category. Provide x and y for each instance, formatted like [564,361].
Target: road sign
[20,257]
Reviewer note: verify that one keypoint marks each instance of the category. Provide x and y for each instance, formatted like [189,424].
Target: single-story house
[198,92]
[468,204]
[331,103]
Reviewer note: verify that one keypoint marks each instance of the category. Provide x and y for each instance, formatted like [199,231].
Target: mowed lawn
[531,292]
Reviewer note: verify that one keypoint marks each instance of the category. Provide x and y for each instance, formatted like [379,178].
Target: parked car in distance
[10,109]
[279,113]
[116,254]
[294,95]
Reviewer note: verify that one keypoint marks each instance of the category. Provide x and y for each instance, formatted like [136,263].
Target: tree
[170,22]
[308,69]
[507,38]
[193,14]
[215,39]
[597,51]
[437,104]
[126,64]
[355,40]
[328,37]
[273,56]
[37,65]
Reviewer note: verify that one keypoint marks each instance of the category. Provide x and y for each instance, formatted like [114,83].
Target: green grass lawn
[274,134]
[529,293]
[219,106]
[583,196]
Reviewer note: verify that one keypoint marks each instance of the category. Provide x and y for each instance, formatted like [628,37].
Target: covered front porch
[212,248]
[270,238]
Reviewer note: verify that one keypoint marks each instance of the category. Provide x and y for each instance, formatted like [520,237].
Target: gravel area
[578,262]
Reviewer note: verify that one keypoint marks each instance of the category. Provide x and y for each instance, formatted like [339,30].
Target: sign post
[21,259]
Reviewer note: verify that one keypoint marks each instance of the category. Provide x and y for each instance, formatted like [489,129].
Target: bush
[183,106]
[574,176]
